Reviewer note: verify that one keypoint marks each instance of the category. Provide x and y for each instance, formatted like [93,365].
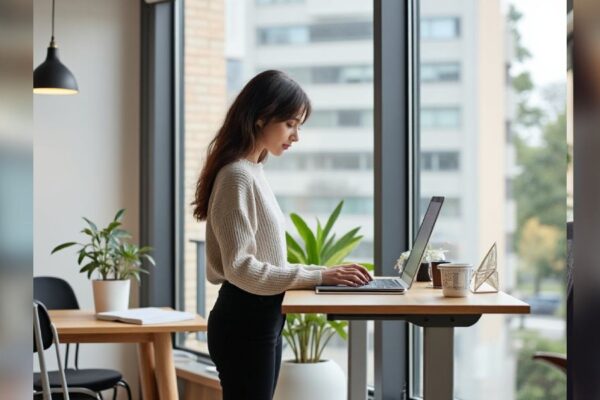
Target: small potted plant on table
[112,260]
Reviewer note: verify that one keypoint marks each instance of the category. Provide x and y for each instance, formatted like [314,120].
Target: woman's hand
[348,274]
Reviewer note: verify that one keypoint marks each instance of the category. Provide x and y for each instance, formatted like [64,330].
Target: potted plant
[112,260]
[308,334]
[428,269]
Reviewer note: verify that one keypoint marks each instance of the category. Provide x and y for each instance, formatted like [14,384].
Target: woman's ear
[260,123]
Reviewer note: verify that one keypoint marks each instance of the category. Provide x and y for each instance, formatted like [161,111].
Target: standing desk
[155,352]
[422,306]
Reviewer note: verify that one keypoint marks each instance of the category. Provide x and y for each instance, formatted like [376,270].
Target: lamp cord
[52,39]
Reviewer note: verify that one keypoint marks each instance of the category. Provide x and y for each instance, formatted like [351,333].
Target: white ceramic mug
[455,279]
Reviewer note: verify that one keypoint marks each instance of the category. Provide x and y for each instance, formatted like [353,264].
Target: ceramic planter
[111,295]
[324,380]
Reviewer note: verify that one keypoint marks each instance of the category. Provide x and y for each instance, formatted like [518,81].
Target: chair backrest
[55,293]
[44,336]
[45,328]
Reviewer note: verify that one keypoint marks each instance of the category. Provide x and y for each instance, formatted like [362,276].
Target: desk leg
[357,360]
[438,360]
[165,367]
[146,366]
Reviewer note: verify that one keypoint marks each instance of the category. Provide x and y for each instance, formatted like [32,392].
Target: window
[341,31]
[450,209]
[440,72]
[439,28]
[440,161]
[340,118]
[320,170]
[321,161]
[303,34]
[234,73]
[493,193]
[268,2]
[333,74]
[440,117]
[321,205]
[283,35]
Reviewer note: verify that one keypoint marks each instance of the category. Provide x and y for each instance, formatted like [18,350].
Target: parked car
[544,303]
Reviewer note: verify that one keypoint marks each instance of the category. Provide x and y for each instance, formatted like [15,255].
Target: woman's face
[278,136]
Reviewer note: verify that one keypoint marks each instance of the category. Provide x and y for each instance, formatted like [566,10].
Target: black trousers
[244,342]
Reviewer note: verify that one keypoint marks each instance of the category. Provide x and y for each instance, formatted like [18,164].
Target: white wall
[86,157]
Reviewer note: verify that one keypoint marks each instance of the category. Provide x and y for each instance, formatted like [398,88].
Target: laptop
[404,282]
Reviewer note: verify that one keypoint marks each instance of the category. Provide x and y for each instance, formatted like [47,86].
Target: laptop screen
[418,248]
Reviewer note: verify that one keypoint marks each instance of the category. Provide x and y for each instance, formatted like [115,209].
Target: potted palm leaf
[113,261]
[308,334]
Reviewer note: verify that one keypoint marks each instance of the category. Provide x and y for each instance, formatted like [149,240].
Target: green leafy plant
[107,252]
[308,334]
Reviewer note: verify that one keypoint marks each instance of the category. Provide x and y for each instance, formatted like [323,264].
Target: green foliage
[537,380]
[539,250]
[540,189]
[308,334]
[107,253]
[514,16]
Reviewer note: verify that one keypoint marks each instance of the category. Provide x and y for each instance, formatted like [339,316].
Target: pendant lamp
[51,76]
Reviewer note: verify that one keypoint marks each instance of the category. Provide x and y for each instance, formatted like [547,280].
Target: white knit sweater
[245,235]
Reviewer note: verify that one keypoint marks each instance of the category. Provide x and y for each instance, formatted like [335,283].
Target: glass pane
[333,160]
[439,27]
[493,142]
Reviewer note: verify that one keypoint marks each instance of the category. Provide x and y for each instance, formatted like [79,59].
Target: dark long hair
[269,96]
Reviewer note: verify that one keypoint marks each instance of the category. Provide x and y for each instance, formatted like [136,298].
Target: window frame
[395,194]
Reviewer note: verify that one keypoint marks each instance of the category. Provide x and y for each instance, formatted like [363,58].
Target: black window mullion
[396,81]
[157,151]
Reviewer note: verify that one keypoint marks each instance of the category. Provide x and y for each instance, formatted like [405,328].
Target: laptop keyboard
[383,284]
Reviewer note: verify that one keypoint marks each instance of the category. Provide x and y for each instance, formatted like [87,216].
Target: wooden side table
[155,349]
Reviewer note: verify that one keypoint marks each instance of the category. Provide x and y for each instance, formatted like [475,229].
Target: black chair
[57,294]
[44,336]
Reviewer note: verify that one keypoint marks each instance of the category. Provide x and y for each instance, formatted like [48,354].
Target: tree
[538,250]
[536,380]
[540,188]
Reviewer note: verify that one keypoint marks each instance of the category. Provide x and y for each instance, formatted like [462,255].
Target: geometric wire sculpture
[485,279]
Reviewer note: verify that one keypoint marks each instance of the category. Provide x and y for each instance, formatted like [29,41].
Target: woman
[245,236]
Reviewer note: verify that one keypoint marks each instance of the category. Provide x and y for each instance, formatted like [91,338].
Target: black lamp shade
[52,77]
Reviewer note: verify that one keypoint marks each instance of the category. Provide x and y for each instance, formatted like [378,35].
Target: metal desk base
[438,351]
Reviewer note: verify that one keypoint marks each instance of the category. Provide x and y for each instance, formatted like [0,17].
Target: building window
[269,2]
[340,118]
[234,76]
[321,161]
[450,209]
[440,28]
[353,205]
[283,35]
[440,117]
[440,161]
[334,32]
[341,31]
[331,74]
[440,72]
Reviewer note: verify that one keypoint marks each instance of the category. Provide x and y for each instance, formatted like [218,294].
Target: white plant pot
[324,380]
[111,295]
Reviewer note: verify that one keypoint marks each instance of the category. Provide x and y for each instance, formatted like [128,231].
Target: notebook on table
[404,281]
[145,316]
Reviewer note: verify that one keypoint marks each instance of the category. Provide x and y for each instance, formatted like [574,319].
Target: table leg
[438,360]
[165,367]
[146,365]
[357,360]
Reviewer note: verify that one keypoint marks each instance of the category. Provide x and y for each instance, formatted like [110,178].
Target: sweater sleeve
[311,267]
[241,267]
